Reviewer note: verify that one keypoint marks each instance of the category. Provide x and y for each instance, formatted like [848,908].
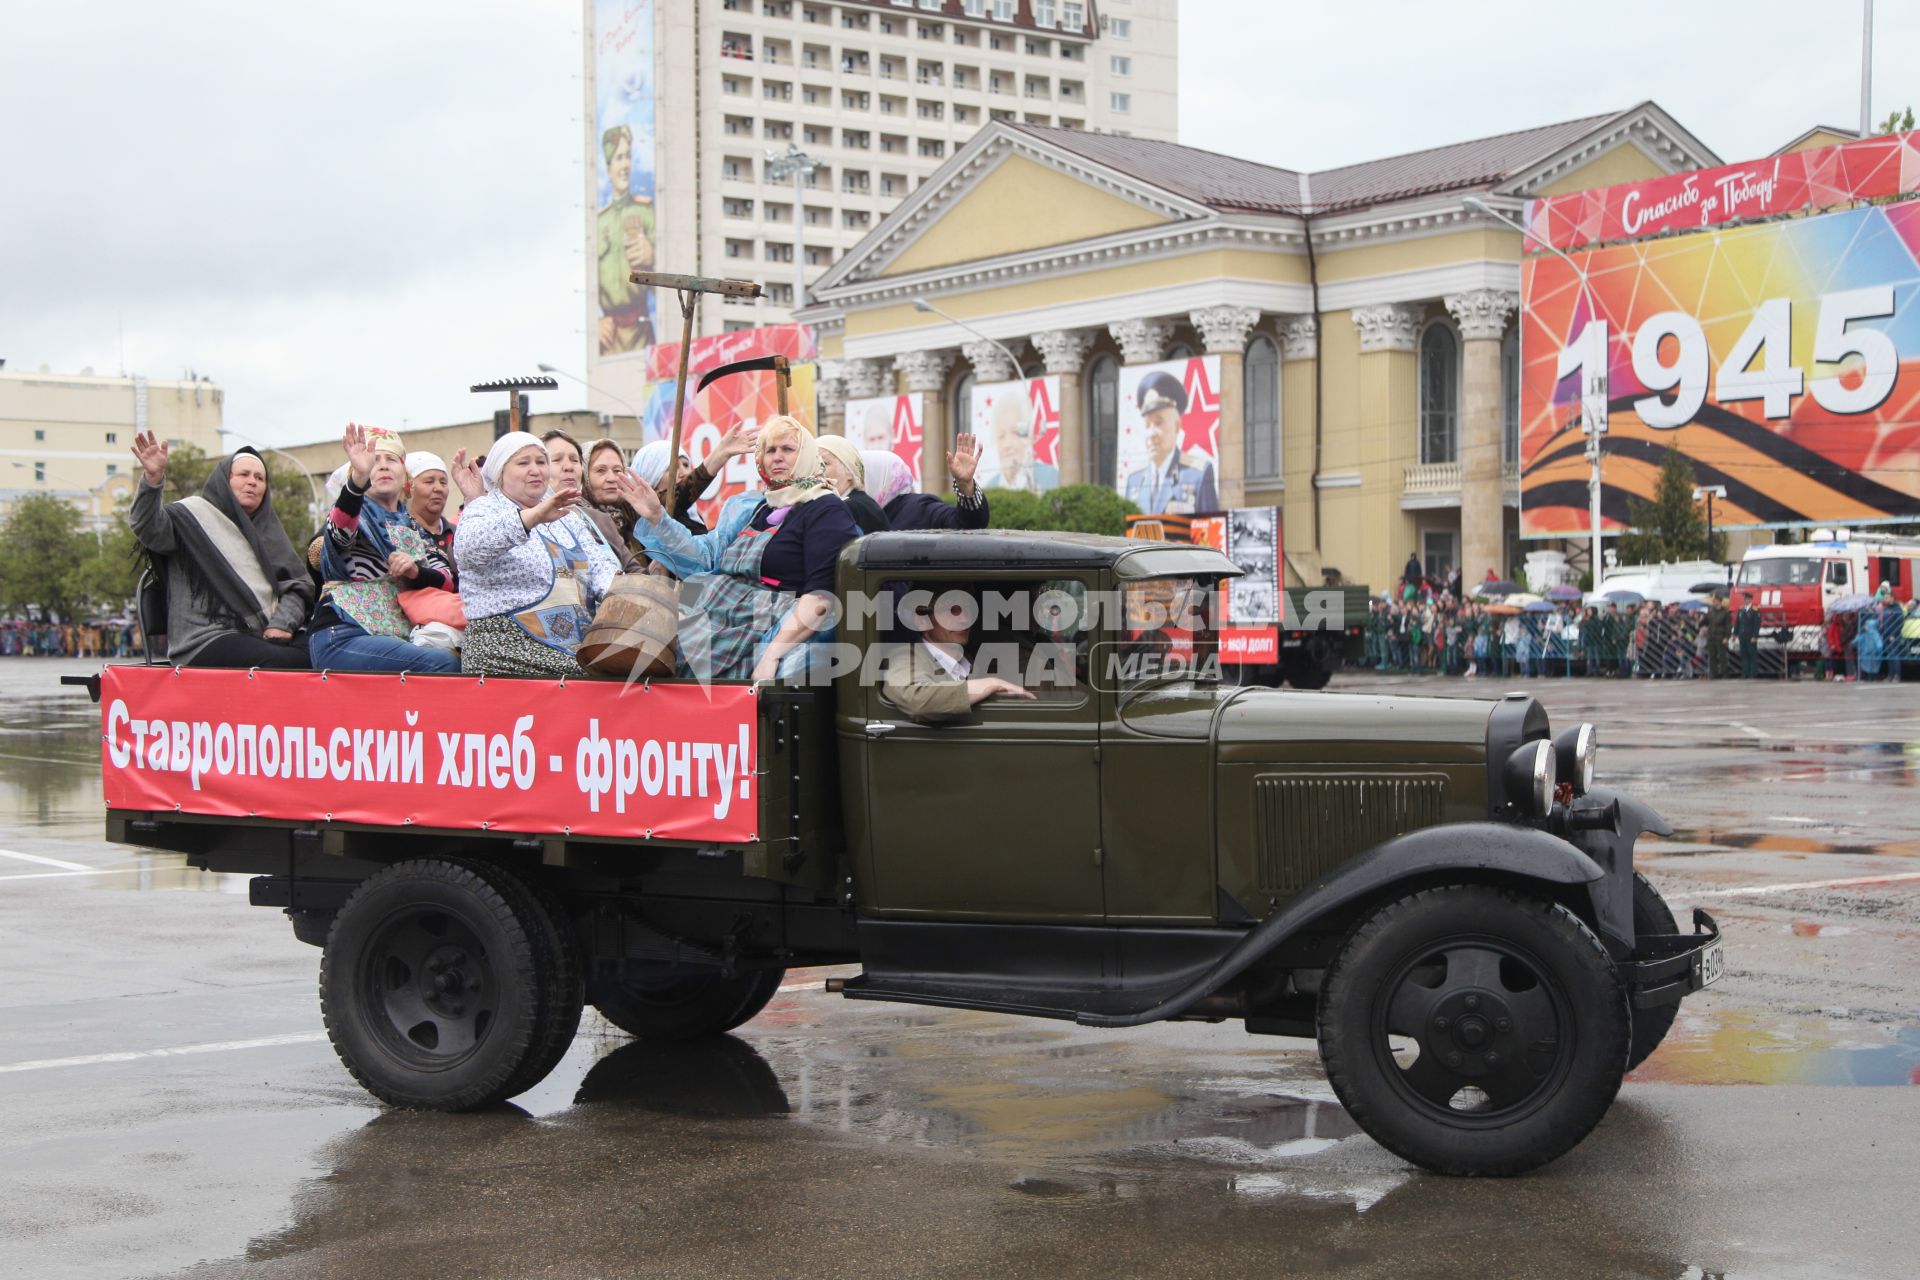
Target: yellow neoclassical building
[1364,317]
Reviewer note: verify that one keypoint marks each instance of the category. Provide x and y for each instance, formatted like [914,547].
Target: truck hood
[1359,728]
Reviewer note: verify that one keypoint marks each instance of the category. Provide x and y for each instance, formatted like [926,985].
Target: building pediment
[1006,193]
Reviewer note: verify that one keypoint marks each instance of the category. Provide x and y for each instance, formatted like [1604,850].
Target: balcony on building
[1427,485]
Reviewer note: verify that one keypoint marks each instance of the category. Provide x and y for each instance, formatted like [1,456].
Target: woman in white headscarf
[847,473]
[891,484]
[764,577]
[532,569]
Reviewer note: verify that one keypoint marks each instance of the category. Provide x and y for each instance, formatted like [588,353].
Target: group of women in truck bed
[508,586]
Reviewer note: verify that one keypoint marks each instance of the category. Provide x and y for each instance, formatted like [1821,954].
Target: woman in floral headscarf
[763,578]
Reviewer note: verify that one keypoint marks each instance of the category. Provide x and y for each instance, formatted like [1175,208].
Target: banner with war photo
[626,227]
[1169,436]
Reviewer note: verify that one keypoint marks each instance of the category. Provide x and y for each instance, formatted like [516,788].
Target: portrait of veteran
[932,681]
[1173,482]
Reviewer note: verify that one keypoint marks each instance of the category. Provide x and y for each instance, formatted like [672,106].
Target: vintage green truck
[1435,888]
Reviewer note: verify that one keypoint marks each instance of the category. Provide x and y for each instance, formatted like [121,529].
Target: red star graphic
[906,435]
[1200,425]
[1046,425]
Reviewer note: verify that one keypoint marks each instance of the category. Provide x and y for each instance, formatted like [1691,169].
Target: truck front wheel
[1474,1030]
[685,1007]
[1651,914]
[431,984]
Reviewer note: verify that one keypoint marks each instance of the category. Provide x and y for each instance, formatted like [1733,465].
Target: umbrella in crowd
[1693,606]
[1499,588]
[1537,606]
[1524,600]
[1623,596]
[1850,604]
[1565,591]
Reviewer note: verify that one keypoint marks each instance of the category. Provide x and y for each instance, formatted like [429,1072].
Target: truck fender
[1464,846]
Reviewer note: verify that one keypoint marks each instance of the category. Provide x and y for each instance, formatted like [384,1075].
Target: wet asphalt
[169,1106]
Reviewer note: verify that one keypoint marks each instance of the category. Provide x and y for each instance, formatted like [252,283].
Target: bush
[1073,508]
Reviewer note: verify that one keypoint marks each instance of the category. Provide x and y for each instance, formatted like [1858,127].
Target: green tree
[109,570]
[1897,122]
[1672,526]
[1073,508]
[41,548]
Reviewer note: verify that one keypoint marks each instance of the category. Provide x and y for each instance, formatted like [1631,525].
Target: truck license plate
[1713,963]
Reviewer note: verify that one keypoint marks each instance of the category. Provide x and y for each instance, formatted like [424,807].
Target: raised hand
[554,506]
[357,442]
[151,451]
[964,460]
[466,475]
[639,495]
[736,442]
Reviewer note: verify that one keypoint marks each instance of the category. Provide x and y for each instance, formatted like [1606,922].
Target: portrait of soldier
[624,244]
[1173,481]
[1011,428]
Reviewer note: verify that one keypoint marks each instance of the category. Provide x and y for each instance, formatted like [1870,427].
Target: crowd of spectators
[23,638]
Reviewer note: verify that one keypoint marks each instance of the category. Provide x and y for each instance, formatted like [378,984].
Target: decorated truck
[1437,890]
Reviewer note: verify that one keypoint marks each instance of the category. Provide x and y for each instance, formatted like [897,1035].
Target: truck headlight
[1575,749]
[1530,778]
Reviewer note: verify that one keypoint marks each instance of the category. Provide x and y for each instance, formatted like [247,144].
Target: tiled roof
[1232,185]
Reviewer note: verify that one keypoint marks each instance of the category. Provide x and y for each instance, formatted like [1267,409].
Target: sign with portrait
[1018,426]
[626,227]
[1169,436]
[889,424]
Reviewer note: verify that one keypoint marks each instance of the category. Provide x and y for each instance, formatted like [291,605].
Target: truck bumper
[1668,967]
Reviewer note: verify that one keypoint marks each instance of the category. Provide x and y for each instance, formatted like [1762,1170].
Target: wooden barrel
[633,632]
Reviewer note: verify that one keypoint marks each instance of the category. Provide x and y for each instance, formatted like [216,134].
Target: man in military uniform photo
[623,236]
[1173,481]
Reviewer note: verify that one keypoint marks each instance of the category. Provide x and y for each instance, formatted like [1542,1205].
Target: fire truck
[1794,585]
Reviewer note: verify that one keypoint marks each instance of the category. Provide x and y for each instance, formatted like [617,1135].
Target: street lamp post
[1710,492]
[921,304]
[1593,407]
[796,164]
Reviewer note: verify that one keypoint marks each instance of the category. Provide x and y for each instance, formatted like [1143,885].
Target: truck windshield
[1168,631]
[1780,573]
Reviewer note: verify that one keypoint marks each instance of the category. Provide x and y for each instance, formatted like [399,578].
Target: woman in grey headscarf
[237,593]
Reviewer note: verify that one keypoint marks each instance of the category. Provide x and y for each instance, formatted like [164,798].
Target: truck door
[993,815]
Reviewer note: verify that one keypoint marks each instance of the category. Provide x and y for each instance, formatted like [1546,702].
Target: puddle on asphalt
[49,760]
[1695,841]
[1715,1046]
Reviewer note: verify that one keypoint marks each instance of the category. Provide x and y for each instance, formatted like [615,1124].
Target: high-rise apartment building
[877,93]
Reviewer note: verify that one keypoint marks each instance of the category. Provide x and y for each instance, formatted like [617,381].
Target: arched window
[1262,407]
[960,407]
[1103,419]
[1439,394]
[1510,394]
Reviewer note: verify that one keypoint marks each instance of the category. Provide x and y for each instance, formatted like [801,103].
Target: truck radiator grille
[1305,827]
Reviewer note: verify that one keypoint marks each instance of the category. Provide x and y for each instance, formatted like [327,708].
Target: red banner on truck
[543,757]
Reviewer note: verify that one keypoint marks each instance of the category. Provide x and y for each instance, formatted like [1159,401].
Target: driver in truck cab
[933,681]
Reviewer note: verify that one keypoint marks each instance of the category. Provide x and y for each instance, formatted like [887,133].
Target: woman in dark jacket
[847,473]
[237,592]
[891,485]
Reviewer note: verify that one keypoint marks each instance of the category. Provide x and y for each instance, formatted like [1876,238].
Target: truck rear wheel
[1651,914]
[1518,1022]
[686,1008]
[431,984]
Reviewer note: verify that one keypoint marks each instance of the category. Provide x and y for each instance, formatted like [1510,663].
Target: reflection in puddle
[1702,840]
[1714,1046]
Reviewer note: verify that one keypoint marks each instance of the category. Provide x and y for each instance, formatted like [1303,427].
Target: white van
[1665,583]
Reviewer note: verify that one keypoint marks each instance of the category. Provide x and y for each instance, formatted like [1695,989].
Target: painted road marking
[1756,889]
[45,862]
[64,875]
[178,1051]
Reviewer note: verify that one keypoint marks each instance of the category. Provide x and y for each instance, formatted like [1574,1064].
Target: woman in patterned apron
[761,599]
[533,570]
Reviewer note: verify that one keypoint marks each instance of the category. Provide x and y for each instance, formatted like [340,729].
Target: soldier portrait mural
[625,228]
[1169,436]
[1018,426]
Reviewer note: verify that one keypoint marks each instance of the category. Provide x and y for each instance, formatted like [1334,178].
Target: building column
[1065,352]
[830,398]
[1224,330]
[926,372]
[1482,317]
[864,379]
[1362,529]
[1141,341]
[989,361]
[1299,357]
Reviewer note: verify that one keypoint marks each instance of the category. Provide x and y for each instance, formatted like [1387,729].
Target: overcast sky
[355,210]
